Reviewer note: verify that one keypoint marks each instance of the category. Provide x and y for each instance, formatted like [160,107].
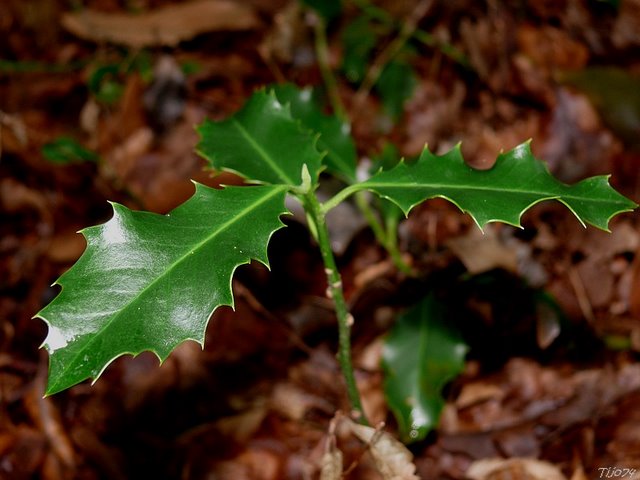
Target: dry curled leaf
[166,26]
[513,468]
[481,252]
[331,461]
[392,459]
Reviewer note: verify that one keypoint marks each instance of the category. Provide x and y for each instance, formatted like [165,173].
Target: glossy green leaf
[149,281]
[421,354]
[501,194]
[335,136]
[262,142]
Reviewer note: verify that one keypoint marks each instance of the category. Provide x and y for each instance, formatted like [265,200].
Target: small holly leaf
[262,142]
[501,194]
[149,281]
[422,352]
[335,136]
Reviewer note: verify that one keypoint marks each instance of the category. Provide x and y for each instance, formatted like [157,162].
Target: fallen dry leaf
[166,26]
[332,459]
[481,252]
[393,460]
[514,469]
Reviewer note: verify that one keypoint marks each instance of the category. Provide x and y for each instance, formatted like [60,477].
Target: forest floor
[545,395]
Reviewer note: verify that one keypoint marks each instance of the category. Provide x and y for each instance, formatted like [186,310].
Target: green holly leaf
[335,136]
[149,281]
[421,354]
[262,142]
[501,194]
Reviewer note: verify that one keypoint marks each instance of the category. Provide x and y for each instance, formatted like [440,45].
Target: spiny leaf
[335,136]
[421,354]
[149,282]
[262,142]
[501,194]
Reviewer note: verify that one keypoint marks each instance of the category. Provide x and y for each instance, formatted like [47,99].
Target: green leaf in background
[105,85]
[503,193]
[396,85]
[421,354]
[358,40]
[149,281]
[335,136]
[262,142]
[65,150]
[616,95]
[328,9]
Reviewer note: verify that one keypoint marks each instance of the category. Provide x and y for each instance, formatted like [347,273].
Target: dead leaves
[516,468]
[391,458]
[166,26]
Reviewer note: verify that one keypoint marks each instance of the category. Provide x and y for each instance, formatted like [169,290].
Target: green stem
[341,196]
[376,227]
[322,53]
[335,292]
[386,235]
[392,247]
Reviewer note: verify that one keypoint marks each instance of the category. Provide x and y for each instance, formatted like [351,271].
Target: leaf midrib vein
[550,195]
[265,156]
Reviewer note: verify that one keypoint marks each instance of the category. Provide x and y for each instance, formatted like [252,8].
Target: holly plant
[148,282]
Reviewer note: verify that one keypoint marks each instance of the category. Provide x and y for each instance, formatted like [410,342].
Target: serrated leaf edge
[265,261]
[324,148]
[527,151]
[314,136]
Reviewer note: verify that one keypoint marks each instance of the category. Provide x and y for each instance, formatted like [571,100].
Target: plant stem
[322,53]
[375,225]
[386,235]
[340,197]
[335,292]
